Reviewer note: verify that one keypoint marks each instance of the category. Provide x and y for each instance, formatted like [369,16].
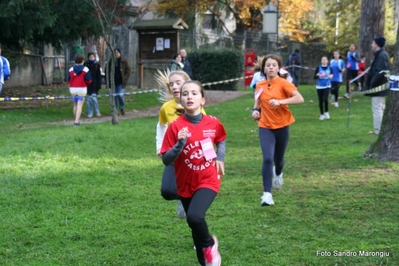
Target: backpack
[6,68]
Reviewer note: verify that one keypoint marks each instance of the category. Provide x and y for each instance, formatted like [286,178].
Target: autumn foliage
[294,15]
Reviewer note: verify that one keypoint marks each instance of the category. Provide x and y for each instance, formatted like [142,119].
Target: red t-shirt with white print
[192,170]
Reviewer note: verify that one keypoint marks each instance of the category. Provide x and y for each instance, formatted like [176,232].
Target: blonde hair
[163,77]
[258,63]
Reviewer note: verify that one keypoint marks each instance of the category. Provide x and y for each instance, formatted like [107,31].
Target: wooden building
[158,42]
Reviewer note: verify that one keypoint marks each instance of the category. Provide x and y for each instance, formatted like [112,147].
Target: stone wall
[32,70]
[311,56]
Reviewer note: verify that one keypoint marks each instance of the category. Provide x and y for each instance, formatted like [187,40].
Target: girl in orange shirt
[272,96]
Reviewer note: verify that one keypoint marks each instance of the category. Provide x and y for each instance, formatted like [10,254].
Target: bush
[217,65]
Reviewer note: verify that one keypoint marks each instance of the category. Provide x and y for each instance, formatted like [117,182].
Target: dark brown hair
[196,83]
[79,59]
[274,57]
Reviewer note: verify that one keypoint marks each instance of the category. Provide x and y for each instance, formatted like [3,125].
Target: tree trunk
[386,148]
[111,85]
[371,25]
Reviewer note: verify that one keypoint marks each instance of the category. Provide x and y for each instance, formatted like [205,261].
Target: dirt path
[212,97]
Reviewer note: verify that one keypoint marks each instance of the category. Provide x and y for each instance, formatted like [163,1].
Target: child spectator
[79,78]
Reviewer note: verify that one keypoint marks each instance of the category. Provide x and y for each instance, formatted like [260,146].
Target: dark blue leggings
[273,143]
[196,208]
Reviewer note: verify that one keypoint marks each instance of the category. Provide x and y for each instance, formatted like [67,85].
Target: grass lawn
[90,195]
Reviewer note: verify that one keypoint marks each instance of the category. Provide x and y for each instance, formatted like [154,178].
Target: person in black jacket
[374,79]
[294,59]
[94,87]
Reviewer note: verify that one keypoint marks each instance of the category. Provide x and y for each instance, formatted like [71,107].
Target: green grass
[38,113]
[90,195]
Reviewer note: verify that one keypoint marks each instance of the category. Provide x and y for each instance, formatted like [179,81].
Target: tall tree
[386,147]
[110,14]
[29,22]
[341,24]
[372,23]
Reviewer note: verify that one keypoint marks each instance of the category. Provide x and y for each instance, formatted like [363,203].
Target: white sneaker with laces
[326,115]
[277,179]
[181,213]
[336,104]
[267,199]
[212,255]
[321,117]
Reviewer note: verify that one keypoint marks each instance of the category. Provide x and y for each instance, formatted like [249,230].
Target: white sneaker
[181,213]
[326,115]
[212,255]
[267,199]
[321,117]
[277,179]
[336,104]
[346,95]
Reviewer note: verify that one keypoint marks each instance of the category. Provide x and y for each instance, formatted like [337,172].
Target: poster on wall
[159,44]
[167,43]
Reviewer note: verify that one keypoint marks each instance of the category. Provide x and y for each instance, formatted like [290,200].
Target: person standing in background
[94,86]
[294,60]
[176,63]
[362,68]
[352,67]
[4,70]
[184,60]
[121,76]
[376,78]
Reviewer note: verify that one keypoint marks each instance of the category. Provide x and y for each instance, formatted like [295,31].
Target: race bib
[208,149]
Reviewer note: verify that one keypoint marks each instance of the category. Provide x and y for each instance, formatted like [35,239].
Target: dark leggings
[335,89]
[351,74]
[168,185]
[323,99]
[273,143]
[195,208]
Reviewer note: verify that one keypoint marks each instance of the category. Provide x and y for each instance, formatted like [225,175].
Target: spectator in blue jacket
[4,70]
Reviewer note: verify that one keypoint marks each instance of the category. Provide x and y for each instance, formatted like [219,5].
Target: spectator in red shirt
[362,68]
